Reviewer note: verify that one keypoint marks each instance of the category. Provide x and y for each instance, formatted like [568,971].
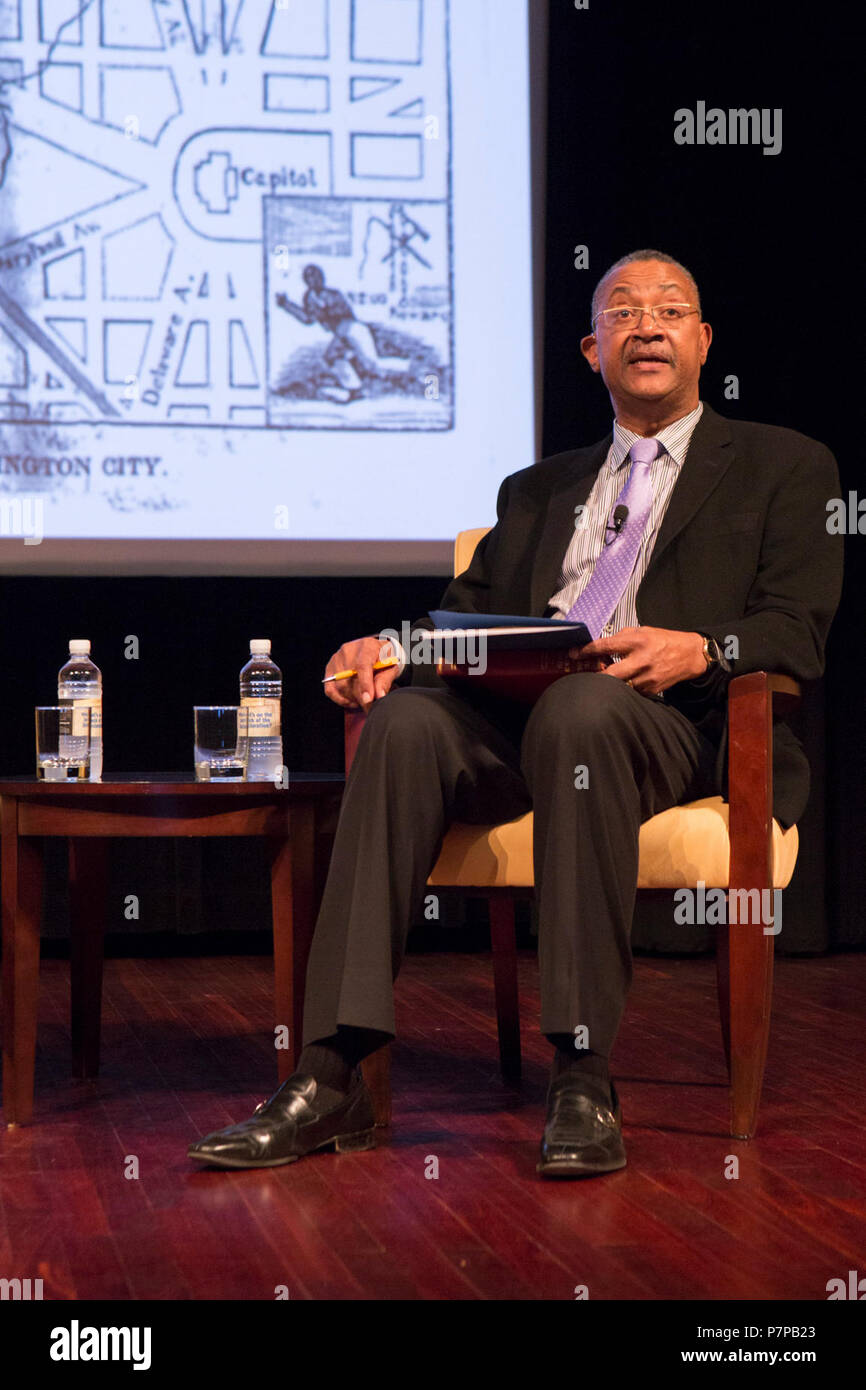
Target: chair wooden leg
[750,963]
[376,1070]
[503,941]
[749,949]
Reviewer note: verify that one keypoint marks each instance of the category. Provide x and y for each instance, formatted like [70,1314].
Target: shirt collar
[675,438]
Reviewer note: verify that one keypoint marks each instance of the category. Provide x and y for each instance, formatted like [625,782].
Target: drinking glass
[221,744]
[63,743]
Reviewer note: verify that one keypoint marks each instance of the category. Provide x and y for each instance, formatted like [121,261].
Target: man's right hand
[368,685]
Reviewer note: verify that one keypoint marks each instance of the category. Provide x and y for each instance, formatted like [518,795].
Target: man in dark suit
[731,569]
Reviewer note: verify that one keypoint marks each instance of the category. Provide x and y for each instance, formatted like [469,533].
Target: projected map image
[229,213]
[368,326]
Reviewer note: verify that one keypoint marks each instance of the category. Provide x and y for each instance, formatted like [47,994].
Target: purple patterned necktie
[614,566]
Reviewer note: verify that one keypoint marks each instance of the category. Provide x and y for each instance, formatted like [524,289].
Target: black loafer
[290,1125]
[581,1136]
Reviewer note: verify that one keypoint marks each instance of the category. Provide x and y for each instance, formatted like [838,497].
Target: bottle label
[79,722]
[263,716]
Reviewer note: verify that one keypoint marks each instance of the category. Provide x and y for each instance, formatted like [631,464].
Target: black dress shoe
[290,1125]
[581,1136]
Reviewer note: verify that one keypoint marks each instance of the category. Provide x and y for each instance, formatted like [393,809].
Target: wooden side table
[295,820]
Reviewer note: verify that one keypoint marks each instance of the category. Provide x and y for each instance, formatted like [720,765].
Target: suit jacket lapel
[571,492]
[709,456]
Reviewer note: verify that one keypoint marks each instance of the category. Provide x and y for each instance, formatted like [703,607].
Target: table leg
[293,908]
[21,903]
[88,885]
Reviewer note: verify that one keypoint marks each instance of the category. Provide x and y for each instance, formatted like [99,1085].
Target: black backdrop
[774,242]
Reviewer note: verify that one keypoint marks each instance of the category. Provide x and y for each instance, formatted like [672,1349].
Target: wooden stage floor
[186,1049]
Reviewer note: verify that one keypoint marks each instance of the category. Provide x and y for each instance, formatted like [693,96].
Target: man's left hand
[652,658]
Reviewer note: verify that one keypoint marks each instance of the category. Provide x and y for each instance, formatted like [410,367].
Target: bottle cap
[79,646]
[260,646]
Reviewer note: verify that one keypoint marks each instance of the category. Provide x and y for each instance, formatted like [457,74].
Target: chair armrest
[785,693]
[353,723]
[752,701]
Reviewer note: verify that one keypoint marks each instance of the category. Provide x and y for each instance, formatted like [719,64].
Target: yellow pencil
[377,666]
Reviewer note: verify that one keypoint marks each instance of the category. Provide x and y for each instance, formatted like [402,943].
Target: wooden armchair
[733,845]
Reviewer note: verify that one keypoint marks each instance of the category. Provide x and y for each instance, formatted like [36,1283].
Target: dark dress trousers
[743,553]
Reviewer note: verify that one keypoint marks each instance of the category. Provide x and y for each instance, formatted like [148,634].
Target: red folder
[521,676]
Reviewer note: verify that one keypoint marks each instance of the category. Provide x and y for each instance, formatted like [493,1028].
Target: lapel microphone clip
[620,517]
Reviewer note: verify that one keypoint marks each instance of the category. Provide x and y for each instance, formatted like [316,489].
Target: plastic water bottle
[79,682]
[261,693]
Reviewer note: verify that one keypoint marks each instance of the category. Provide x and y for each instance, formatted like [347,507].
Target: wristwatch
[713,654]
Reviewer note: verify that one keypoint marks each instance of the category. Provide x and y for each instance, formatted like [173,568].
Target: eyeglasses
[627,316]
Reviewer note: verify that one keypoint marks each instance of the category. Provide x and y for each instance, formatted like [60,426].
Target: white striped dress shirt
[589,534]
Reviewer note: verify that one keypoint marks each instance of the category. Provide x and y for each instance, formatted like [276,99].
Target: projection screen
[266,281]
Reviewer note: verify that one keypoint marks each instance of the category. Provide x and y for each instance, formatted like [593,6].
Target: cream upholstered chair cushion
[678,848]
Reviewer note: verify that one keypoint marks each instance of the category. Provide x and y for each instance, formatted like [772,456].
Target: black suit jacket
[743,551]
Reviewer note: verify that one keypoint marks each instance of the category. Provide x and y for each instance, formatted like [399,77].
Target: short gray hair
[645,255]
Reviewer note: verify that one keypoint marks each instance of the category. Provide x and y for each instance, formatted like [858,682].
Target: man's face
[314,277]
[655,363]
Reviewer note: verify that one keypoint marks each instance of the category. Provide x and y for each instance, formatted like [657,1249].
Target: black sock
[590,1066]
[332,1061]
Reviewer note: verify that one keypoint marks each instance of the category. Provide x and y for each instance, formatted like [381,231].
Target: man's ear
[589,348]
[706,339]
